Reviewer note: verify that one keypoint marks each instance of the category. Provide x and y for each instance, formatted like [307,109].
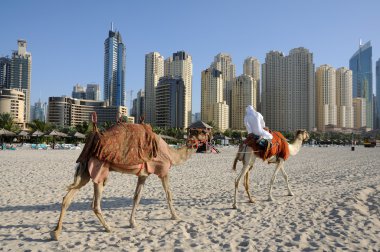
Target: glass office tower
[361,66]
[114,69]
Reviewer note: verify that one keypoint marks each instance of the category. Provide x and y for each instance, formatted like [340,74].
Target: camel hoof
[290,194]
[108,229]
[234,206]
[175,217]
[252,200]
[133,224]
[271,199]
[54,235]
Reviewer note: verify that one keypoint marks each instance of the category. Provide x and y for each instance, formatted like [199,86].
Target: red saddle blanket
[123,143]
[279,146]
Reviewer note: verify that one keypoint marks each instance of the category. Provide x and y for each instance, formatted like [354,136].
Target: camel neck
[295,146]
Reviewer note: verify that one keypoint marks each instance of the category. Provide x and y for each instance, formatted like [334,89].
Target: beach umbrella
[57,133]
[4,132]
[79,135]
[38,133]
[168,137]
[23,133]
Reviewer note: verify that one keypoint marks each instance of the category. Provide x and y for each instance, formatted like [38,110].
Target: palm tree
[7,122]
[215,128]
[40,125]
[83,127]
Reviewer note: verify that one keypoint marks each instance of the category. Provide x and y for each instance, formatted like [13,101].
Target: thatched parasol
[79,135]
[4,132]
[38,133]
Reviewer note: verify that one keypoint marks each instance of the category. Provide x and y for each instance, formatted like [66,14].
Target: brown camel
[96,167]
[248,156]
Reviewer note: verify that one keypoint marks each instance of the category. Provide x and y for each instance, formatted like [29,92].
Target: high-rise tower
[5,72]
[114,69]
[170,102]
[21,72]
[213,107]
[154,70]
[223,63]
[251,67]
[325,82]
[288,90]
[345,110]
[243,94]
[361,67]
[180,66]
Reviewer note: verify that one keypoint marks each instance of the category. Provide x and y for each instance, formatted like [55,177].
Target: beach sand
[335,206]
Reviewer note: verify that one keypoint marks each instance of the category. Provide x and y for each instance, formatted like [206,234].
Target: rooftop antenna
[111,26]
[360,42]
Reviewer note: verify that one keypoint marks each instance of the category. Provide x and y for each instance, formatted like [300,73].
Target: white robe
[254,123]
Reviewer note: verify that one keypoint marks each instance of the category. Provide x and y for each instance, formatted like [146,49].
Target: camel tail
[80,172]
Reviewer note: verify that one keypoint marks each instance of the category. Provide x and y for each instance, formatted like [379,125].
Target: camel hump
[123,144]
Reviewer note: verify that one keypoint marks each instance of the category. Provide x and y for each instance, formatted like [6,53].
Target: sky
[66,38]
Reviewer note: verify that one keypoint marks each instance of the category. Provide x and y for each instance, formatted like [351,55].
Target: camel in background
[248,156]
[91,167]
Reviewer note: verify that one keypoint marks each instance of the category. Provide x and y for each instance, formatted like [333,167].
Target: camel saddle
[123,143]
[278,147]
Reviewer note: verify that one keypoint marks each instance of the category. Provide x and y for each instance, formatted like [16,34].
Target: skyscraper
[325,81]
[154,70]
[93,92]
[140,105]
[78,92]
[252,67]
[378,94]
[243,94]
[38,111]
[213,107]
[359,105]
[114,69]
[5,72]
[223,63]
[288,90]
[170,103]
[345,110]
[361,67]
[21,72]
[180,66]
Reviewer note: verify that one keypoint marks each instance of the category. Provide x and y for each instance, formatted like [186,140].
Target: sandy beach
[336,205]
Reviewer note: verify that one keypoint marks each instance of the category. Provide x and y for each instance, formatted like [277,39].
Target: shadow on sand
[107,203]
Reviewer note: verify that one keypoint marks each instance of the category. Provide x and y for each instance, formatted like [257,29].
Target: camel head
[302,135]
[192,143]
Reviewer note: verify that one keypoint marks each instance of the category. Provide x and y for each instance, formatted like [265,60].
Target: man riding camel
[254,123]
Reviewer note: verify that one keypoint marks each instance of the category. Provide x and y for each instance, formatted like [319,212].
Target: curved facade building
[13,102]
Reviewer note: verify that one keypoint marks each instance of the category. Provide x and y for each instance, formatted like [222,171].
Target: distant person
[254,123]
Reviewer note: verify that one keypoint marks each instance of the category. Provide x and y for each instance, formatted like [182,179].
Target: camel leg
[165,184]
[278,167]
[246,185]
[67,201]
[98,190]
[237,181]
[290,193]
[136,199]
